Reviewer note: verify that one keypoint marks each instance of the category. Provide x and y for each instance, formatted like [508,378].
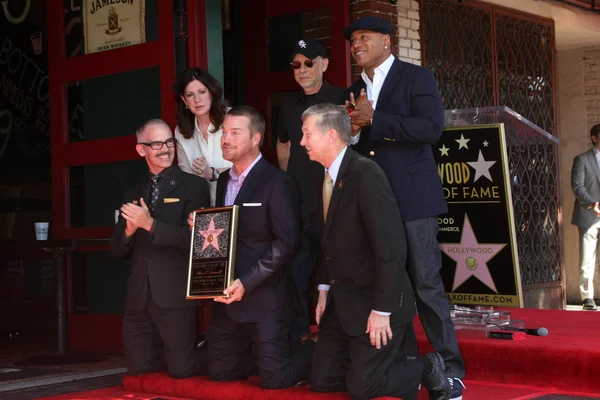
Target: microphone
[529,331]
[535,331]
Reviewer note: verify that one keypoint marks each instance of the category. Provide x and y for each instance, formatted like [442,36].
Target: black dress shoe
[202,341]
[589,304]
[436,382]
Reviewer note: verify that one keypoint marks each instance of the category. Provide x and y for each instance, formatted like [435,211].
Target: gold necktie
[327,190]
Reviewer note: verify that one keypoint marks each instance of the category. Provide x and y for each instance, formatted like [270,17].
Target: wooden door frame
[64,70]
[93,332]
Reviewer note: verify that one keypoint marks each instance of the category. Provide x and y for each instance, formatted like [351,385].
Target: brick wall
[404,17]
[316,25]
[379,8]
[408,31]
[591,57]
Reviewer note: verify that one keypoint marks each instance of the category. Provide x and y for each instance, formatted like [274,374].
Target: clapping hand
[363,110]
[136,216]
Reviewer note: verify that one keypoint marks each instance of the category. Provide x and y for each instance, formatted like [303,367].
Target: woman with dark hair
[200,113]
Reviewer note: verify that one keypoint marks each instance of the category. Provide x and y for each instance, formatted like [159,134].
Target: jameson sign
[477,236]
[110,24]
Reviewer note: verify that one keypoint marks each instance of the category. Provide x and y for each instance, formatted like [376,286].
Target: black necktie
[153,195]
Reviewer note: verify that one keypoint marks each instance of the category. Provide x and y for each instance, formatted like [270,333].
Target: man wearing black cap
[398,116]
[309,62]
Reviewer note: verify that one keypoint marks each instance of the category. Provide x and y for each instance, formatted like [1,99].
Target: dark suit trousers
[352,363]
[424,263]
[302,267]
[157,335]
[235,350]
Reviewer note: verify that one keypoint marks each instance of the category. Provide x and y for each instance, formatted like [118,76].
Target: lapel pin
[172,183]
[341,184]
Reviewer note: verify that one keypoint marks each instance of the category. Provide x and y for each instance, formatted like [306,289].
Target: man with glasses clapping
[159,324]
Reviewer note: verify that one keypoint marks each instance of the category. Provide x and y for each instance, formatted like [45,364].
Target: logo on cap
[302,44]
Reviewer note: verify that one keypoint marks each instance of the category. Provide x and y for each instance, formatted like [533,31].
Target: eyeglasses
[159,145]
[307,63]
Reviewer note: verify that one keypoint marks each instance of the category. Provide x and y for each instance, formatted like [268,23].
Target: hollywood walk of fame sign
[212,253]
[477,236]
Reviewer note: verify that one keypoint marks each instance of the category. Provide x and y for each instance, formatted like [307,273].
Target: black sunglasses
[159,145]
[307,63]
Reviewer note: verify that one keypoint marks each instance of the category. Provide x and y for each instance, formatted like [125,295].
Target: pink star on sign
[471,257]
[211,236]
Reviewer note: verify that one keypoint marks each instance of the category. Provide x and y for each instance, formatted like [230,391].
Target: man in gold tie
[365,306]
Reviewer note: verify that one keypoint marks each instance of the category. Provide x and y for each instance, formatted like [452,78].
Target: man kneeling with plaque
[249,328]
[159,324]
[365,307]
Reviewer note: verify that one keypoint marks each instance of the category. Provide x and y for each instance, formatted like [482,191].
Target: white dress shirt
[196,146]
[374,87]
[334,170]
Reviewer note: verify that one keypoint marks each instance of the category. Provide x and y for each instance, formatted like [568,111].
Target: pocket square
[251,204]
[171,200]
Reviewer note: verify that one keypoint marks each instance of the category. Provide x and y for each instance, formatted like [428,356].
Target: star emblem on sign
[211,236]
[302,44]
[482,167]
[444,150]
[462,142]
[471,257]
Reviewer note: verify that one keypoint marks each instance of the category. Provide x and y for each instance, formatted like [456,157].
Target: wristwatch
[215,174]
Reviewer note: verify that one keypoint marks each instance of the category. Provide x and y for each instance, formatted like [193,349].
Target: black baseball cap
[309,48]
[369,23]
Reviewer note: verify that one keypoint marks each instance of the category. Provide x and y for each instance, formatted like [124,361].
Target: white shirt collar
[334,168]
[383,69]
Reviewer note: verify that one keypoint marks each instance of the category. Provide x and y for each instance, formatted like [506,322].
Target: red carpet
[565,360]
[111,393]
[476,391]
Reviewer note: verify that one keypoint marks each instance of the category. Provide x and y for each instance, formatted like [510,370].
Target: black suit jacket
[267,237]
[364,249]
[160,260]
[408,120]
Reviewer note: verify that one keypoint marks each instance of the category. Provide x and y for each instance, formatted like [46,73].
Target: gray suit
[585,181]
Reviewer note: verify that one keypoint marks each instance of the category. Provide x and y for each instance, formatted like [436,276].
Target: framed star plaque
[212,253]
[480,262]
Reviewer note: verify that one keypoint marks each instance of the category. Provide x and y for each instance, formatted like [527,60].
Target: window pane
[113,105]
[24,95]
[108,25]
[96,190]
